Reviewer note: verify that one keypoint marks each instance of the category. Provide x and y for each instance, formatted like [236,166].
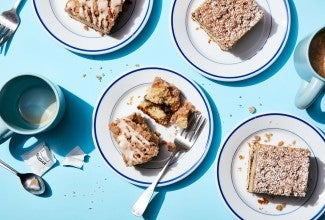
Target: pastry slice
[136,141]
[278,170]
[99,15]
[227,21]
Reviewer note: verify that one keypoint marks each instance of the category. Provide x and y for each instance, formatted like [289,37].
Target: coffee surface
[317,53]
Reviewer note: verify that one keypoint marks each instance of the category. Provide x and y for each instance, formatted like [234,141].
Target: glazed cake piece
[227,21]
[99,15]
[136,141]
[161,101]
[278,170]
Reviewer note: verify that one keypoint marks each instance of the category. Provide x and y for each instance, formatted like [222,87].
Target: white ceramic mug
[313,83]
[29,104]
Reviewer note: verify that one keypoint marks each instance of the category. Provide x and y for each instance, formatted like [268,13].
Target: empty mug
[309,61]
[30,104]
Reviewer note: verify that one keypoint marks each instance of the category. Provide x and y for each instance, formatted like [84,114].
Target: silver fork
[183,142]
[9,22]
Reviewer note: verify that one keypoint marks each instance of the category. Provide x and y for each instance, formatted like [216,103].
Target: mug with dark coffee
[309,61]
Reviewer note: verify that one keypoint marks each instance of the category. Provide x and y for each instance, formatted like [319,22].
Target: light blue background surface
[95,192]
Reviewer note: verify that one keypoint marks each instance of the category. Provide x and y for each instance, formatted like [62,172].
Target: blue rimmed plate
[121,98]
[232,162]
[255,52]
[72,34]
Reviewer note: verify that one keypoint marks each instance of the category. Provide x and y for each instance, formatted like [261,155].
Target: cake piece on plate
[161,101]
[227,21]
[136,141]
[99,15]
[181,117]
[278,170]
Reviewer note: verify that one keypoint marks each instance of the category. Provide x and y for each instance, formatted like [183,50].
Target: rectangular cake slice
[227,21]
[136,141]
[278,170]
[99,15]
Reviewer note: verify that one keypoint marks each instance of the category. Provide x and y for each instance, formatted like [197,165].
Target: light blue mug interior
[28,103]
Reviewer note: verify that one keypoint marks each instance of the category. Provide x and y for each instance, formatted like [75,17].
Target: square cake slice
[278,170]
[227,21]
[136,141]
[99,15]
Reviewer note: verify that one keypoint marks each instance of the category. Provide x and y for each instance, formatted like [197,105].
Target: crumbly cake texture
[278,170]
[136,141]
[227,21]
[181,116]
[99,15]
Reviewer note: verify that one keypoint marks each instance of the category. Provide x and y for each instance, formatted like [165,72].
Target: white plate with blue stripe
[232,162]
[255,52]
[121,98]
[74,36]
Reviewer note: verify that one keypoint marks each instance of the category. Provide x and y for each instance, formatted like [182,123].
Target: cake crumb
[263,201]
[99,77]
[281,143]
[241,157]
[280,207]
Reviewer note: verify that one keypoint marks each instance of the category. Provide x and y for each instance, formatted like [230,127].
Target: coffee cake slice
[278,170]
[136,141]
[227,21]
[99,15]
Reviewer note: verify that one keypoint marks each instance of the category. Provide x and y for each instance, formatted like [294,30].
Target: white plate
[121,98]
[254,53]
[231,168]
[72,34]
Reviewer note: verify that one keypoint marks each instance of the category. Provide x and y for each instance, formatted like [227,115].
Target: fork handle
[16,5]
[141,204]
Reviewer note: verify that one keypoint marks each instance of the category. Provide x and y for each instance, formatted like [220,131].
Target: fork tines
[195,125]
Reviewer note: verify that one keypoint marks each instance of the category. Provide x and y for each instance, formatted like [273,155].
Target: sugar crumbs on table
[99,77]
[137,65]
[84,75]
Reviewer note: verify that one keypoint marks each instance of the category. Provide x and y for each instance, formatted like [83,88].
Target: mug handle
[5,133]
[308,92]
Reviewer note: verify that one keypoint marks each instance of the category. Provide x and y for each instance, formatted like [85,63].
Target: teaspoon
[30,181]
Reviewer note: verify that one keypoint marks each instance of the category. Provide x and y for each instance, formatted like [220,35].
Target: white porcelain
[121,98]
[232,161]
[73,36]
[254,53]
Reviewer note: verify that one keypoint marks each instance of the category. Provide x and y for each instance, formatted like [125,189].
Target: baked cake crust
[99,15]
[278,170]
[227,21]
[136,141]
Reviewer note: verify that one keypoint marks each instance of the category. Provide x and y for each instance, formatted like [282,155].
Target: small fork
[9,22]
[183,142]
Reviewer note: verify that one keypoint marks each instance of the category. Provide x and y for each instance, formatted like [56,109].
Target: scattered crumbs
[139,96]
[126,64]
[257,138]
[240,169]
[240,97]
[294,142]
[65,195]
[252,110]
[130,101]
[197,28]
[280,207]
[137,65]
[86,28]
[260,104]
[103,74]
[105,179]
[90,208]
[209,41]
[230,115]
[268,137]
[92,201]
[99,77]
[280,143]
[241,157]
[263,201]
[101,68]
[84,75]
